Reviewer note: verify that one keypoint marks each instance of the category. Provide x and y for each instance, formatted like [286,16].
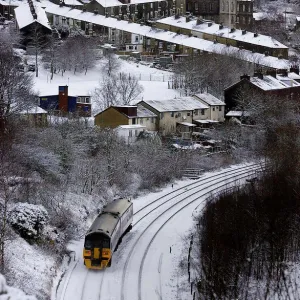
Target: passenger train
[106,232]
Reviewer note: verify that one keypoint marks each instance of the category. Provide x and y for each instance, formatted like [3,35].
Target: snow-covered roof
[24,16]
[34,110]
[135,126]
[187,124]
[111,3]
[209,99]
[248,37]
[294,75]
[176,104]
[237,113]
[168,36]
[143,112]
[73,3]
[12,3]
[268,82]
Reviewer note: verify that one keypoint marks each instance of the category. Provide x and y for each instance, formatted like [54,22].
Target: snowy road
[145,266]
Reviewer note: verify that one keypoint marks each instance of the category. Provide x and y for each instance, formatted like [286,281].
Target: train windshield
[96,241]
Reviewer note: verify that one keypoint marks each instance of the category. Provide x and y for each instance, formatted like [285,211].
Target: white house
[216,106]
[129,132]
[177,114]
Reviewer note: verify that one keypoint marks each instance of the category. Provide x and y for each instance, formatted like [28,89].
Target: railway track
[204,191]
[144,218]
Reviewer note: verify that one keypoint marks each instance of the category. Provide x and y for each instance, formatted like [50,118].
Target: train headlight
[87,252]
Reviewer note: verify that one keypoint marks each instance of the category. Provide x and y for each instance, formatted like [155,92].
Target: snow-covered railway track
[140,247]
[143,212]
[127,273]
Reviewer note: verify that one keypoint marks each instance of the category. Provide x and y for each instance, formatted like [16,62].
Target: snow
[143,112]
[149,256]
[73,3]
[177,104]
[135,126]
[111,3]
[187,124]
[268,82]
[80,84]
[209,99]
[24,16]
[168,36]
[34,110]
[236,113]
[262,40]
[10,293]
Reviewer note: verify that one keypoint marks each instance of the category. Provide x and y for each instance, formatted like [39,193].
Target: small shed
[35,115]
[130,132]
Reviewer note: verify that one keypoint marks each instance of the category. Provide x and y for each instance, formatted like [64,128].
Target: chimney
[63,98]
[255,34]
[271,72]
[187,19]
[294,69]
[245,76]
[258,74]
[244,31]
[199,21]
[284,73]
[209,24]
[232,30]
[221,26]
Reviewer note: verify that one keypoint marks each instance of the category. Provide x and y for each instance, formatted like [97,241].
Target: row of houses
[174,34]
[174,116]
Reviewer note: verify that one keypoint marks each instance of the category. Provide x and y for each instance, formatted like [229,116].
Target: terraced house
[218,33]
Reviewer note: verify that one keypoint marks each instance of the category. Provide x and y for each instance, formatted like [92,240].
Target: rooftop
[111,3]
[171,37]
[223,31]
[209,99]
[269,82]
[24,16]
[176,104]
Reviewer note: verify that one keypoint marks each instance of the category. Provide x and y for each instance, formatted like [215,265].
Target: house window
[79,99]
[220,108]
[196,112]
[202,112]
[152,120]
[172,114]
[179,114]
[136,38]
[211,7]
[213,109]
[196,5]
[87,99]
[188,114]
[161,115]
[232,6]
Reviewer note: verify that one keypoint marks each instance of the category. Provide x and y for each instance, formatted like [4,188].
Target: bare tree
[15,87]
[117,90]
[111,64]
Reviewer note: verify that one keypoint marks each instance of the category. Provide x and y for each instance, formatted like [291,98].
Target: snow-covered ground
[154,81]
[147,263]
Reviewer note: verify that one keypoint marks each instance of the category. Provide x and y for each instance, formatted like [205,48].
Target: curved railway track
[144,219]
[204,191]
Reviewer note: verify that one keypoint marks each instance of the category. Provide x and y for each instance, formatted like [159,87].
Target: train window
[88,244]
[96,241]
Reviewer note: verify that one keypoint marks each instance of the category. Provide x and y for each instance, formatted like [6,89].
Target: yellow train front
[106,232]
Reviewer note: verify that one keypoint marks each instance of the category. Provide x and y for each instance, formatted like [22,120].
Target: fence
[150,77]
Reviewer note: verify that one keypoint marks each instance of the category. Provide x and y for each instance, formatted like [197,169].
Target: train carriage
[106,232]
